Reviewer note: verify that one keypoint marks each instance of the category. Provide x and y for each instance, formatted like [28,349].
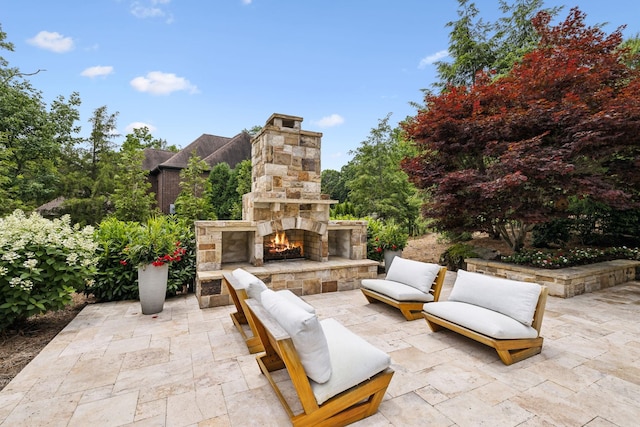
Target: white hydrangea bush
[42,263]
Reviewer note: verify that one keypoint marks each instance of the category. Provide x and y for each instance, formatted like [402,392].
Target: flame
[280,243]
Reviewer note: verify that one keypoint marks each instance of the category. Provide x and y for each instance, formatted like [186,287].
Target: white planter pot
[152,286]
[388,258]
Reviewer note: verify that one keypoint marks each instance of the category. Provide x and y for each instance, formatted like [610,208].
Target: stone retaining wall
[563,282]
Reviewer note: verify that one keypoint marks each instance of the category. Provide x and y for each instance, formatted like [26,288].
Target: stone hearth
[286,198]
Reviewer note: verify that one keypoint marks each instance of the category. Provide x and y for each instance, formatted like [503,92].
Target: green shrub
[455,255]
[552,259]
[182,273]
[42,263]
[548,234]
[383,236]
[374,251]
[117,278]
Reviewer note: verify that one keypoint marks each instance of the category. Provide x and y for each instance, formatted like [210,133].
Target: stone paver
[186,366]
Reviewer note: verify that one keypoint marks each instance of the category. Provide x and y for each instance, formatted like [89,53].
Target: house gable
[165,166]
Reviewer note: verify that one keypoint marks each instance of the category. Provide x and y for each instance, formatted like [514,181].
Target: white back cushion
[417,274]
[253,285]
[286,293]
[306,333]
[512,298]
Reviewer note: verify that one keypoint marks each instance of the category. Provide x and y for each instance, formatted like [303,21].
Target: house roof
[51,206]
[154,157]
[233,152]
[212,149]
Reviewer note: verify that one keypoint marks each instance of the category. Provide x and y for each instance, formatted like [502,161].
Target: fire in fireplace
[280,246]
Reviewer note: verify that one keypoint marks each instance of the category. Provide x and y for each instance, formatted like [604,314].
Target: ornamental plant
[384,236]
[553,259]
[117,277]
[42,263]
[154,242]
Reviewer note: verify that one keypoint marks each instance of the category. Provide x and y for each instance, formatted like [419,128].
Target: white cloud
[330,121]
[159,83]
[247,1]
[427,60]
[97,71]
[54,42]
[153,9]
[139,125]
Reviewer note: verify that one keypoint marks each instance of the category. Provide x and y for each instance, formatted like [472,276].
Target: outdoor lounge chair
[408,285]
[338,377]
[242,285]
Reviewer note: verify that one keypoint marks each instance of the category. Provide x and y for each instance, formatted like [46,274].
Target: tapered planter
[152,285]
[388,258]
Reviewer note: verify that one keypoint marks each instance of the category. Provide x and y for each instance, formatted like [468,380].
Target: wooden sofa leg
[509,357]
[411,315]
[433,326]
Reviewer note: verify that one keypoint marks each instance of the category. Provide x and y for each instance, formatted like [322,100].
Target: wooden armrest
[238,295]
[270,324]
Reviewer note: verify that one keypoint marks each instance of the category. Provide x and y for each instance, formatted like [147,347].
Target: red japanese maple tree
[506,153]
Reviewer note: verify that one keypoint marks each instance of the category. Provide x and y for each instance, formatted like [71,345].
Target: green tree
[132,197]
[221,198]
[476,45]
[333,184]
[93,170]
[32,137]
[142,138]
[508,153]
[242,179]
[631,49]
[379,187]
[193,201]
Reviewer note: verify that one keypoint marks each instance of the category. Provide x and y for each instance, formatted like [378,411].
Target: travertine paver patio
[112,366]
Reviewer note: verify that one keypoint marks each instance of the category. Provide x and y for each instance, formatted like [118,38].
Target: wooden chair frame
[239,294]
[411,310]
[509,350]
[345,408]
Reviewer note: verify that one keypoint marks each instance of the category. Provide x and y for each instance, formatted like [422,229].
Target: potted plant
[390,241]
[152,246]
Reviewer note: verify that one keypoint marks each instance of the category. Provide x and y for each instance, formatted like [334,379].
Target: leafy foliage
[455,255]
[383,236]
[555,232]
[503,155]
[42,263]
[115,279]
[132,197]
[222,194]
[227,188]
[193,201]
[480,46]
[33,139]
[123,245]
[333,183]
[572,257]
[378,186]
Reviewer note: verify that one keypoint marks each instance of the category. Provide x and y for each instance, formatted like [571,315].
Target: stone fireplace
[285,236]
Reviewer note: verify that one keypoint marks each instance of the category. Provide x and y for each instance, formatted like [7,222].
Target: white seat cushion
[417,274]
[306,333]
[353,360]
[396,290]
[513,298]
[482,320]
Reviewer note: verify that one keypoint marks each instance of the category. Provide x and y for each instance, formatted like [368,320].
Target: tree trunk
[514,233]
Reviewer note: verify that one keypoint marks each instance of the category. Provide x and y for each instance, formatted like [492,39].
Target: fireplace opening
[283,245]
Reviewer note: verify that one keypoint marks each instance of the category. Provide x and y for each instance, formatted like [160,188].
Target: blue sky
[186,67]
